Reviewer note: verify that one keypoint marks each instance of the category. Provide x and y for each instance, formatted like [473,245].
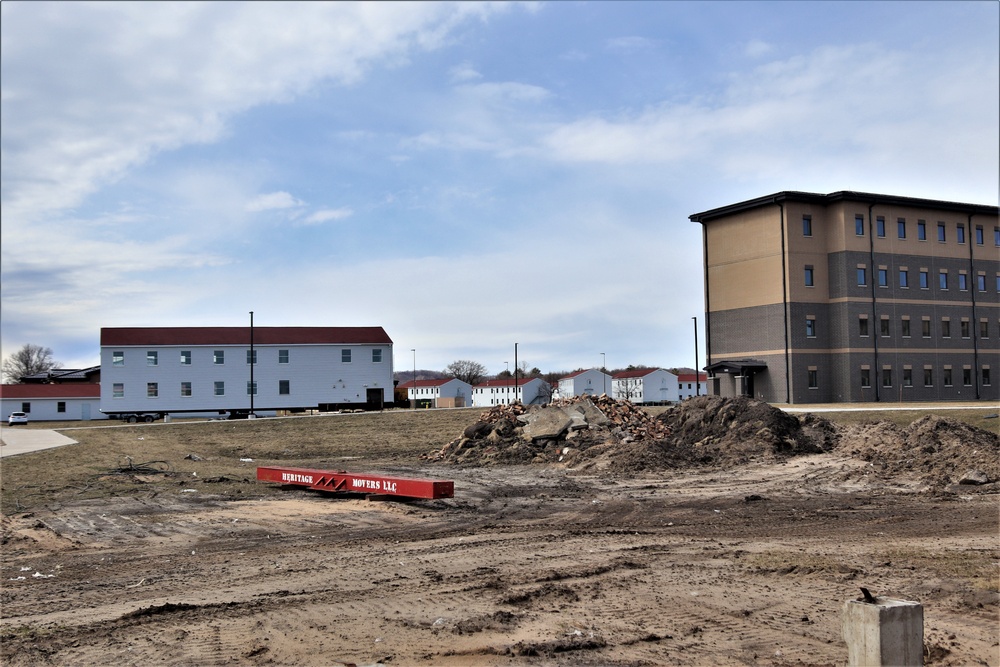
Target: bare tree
[29,360]
[466,371]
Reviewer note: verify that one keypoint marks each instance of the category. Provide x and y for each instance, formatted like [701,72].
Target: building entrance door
[374,399]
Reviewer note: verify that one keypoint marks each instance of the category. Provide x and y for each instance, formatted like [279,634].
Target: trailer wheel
[132,419]
[148,418]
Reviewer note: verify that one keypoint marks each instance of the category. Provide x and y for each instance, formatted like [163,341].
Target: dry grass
[977,567]
[977,417]
[149,459]
[98,467]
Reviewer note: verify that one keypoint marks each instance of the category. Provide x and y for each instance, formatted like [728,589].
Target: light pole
[506,365]
[414,351]
[515,367]
[252,415]
[697,374]
[604,373]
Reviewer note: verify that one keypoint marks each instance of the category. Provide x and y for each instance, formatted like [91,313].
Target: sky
[466,176]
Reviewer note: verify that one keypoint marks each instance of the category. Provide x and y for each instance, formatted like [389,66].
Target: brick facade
[853,297]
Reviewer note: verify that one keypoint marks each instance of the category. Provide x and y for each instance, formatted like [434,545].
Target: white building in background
[645,385]
[439,393]
[504,391]
[177,370]
[584,383]
[52,402]
[691,384]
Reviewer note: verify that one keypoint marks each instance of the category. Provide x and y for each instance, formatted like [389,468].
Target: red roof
[504,382]
[637,373]
[82,390]
[689,377]
[579,372]
[437,382]
[241,336]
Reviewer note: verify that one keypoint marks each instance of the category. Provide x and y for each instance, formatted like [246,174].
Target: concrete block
[884,632]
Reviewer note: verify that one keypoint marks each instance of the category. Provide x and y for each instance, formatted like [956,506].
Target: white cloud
[327,214]
[757,48]
[172,74]
[272,201]
[834,110]
[631,44]
[464,72]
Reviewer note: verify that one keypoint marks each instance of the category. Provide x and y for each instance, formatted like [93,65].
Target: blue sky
[467,176]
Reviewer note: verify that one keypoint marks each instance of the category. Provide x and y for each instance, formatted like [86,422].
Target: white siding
[654,387]
[588,383]
[316,374]
[502,394]
[47,409]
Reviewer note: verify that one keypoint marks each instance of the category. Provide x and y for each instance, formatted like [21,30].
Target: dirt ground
[595,562]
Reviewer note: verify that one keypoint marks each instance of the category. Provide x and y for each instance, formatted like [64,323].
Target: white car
[17,418]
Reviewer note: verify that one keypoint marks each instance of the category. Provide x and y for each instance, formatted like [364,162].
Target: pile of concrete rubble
[553,433]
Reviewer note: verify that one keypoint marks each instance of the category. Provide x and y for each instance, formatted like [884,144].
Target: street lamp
[697,375]
[604,372]
[252,387]
[506,366]
[414,351]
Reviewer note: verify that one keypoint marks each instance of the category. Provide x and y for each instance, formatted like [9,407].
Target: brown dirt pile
[505,434]
[936,450]
[723,432]
[720,432]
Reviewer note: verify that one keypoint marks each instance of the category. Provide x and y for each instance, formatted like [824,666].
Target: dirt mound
[618,437]
[553,433]
[936,450]
[723,432]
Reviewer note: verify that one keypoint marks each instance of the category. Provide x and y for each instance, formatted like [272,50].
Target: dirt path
[526,565]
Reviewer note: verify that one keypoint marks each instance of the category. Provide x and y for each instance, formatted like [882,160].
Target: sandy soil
[527,565]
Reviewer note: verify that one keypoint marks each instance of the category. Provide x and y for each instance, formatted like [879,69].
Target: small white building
[178,370]
[506,390]
[645,385]
[439,393]
[52,402]
[691,384]
[584,383]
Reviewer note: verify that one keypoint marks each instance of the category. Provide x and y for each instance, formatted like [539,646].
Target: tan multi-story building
[851,296]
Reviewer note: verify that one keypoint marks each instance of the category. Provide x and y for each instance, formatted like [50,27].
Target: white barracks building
[208,369]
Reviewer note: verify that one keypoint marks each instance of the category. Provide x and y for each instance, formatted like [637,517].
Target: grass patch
[976,567]
[358,442]
[98,467]
[903,418]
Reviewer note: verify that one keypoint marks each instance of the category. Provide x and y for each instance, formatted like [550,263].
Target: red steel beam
[342,481]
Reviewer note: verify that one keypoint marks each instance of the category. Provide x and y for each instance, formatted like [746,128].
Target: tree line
[31,359]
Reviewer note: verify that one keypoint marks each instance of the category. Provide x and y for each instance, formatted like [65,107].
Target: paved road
[23,440]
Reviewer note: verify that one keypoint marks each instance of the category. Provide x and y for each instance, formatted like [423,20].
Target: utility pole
[515,367]
[697,373]
[252,387]
[507,367]
[604,373]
